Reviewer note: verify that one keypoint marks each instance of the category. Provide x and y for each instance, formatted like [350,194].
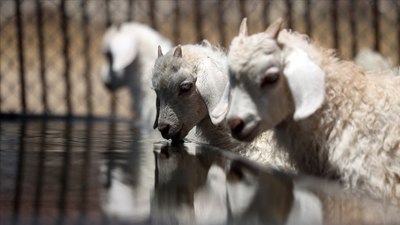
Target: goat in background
[131,50]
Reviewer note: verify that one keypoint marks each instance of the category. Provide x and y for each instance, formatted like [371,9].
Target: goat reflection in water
[194,184]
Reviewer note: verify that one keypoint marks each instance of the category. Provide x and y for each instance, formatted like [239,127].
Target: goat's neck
[218,136]
[308,141]
[304,149]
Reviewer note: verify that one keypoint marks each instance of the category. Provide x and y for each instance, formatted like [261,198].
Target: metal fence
[50,49]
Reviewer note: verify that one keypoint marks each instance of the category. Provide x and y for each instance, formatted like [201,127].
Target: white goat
[130,49]
[372,60]
[189,82]
[332,119]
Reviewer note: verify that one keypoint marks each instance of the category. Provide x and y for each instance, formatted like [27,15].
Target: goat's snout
[164,129]
[236,125]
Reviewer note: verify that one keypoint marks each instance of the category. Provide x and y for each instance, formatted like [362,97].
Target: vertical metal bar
[353,27]
[42,58]
[62,203]
[40,175]
[242,8]
[307,18]
[1,76]
[375,22]
[108,13]
[20,175]
[21,58]
[289,13]
[130,17]
[153,10]
[198,22]
[87,62]
[177,27]
[67,63]
[335,29]
[113,97]
[221,23]
[266,10]
[398,31]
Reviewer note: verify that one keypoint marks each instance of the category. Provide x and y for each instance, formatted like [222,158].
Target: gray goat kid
[188,87]
[190,81]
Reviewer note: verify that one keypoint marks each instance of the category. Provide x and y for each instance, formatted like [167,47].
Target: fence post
[113,97]
[42,58]
[242,9]
[289,14]
[375,23]
[198,22]
[21,58]
[307,18]
[266,10]
[353,27]
[153,9]
[221,23]
[177,27]
[398,32]
[87,62]
[129,16]
[67,63]
[335,30]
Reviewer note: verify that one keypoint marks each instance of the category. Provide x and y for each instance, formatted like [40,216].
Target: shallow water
[59,172]
[100,172]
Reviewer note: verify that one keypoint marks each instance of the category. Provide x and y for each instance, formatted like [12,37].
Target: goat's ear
[306,82]
[274,29]
[210,84]
[206,43]
[178,51]
[160,51]
[243,28]
[220,111]
[155,125]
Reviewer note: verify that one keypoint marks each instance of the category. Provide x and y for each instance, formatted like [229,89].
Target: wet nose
[236,125]
[164,128]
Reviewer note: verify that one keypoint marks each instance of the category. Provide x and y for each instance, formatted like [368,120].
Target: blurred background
[50,50]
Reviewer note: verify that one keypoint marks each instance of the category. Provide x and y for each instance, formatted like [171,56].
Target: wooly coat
[332,118]
[190,81]
[131,50]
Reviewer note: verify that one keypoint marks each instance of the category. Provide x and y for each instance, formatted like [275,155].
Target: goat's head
[185,96]
[120,50]
[269,83]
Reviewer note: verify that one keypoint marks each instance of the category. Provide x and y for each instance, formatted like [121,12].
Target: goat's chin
[248,134]
[180,135]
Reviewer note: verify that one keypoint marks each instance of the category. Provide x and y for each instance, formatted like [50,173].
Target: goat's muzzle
[164,129]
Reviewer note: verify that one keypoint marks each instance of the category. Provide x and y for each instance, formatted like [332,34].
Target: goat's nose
[164,128]
[236,125]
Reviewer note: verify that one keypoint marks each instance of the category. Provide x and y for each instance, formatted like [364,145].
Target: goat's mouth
[178,136]
[249,132]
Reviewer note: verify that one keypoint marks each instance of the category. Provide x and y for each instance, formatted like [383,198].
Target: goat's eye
[270,77]
[185,87]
